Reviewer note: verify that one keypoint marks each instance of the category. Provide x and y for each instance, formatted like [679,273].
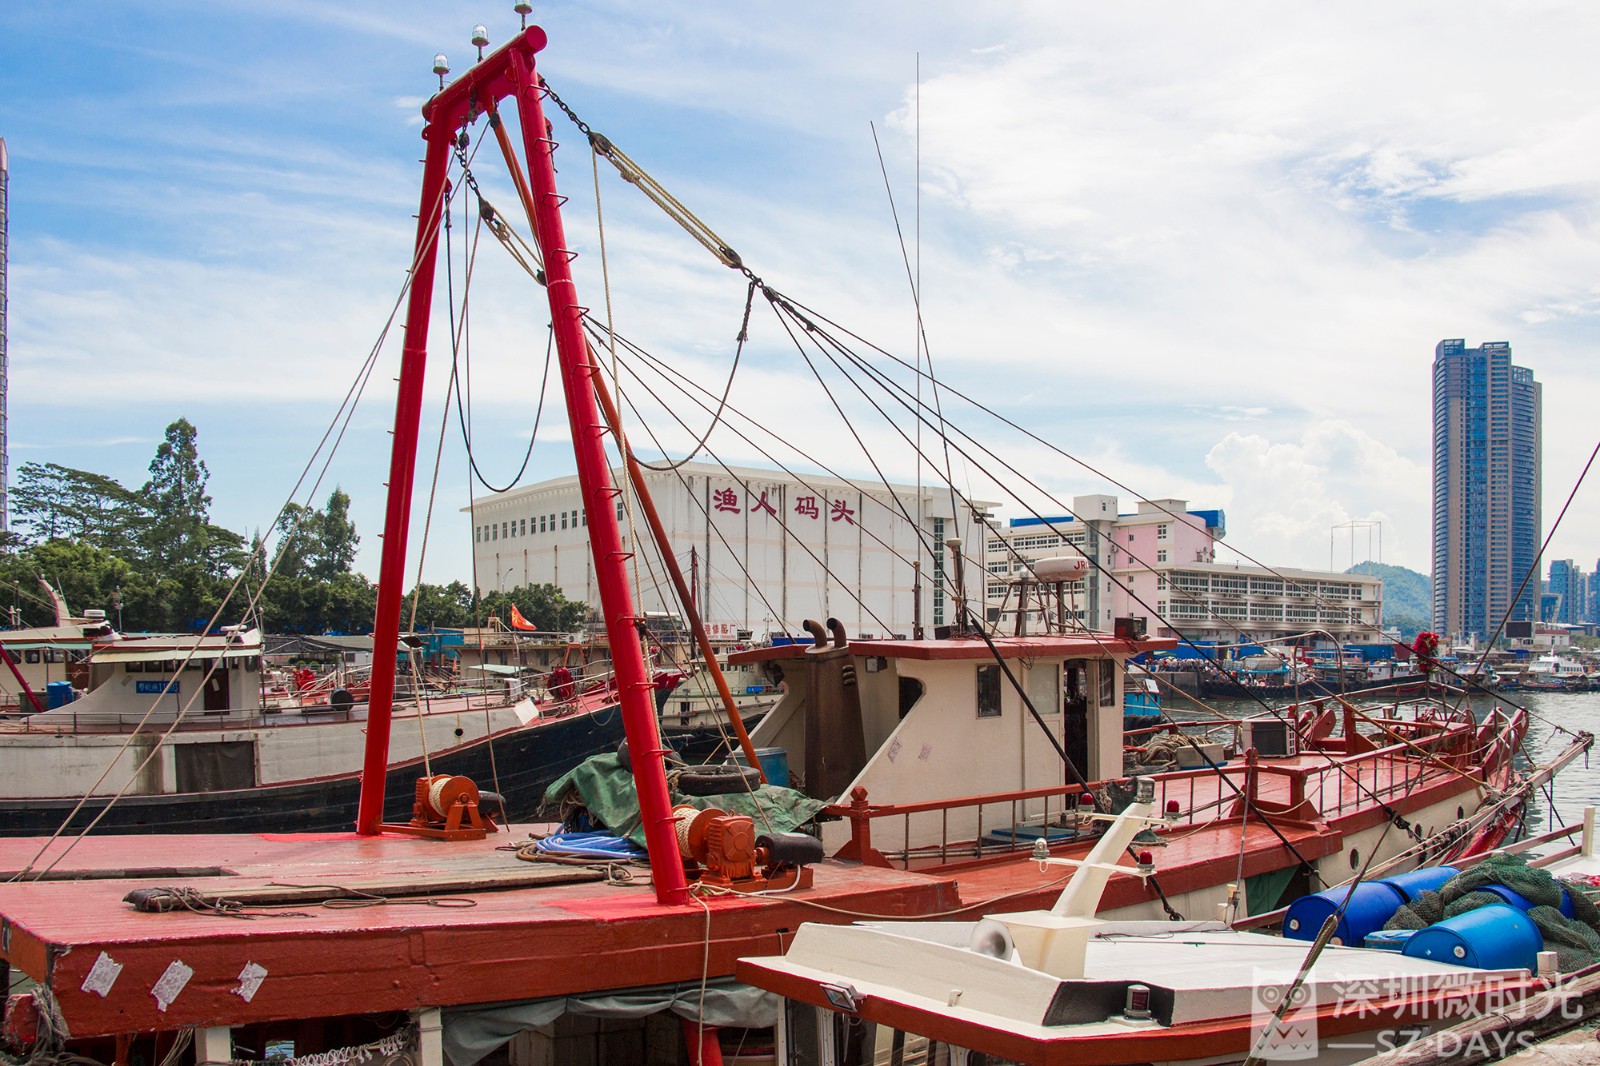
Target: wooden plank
[405,885]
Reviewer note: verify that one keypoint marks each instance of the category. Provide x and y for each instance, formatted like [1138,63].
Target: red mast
[510,72]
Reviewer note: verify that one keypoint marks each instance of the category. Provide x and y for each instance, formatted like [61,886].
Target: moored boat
[182,734]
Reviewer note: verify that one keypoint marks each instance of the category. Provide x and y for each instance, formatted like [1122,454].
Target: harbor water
[1579,784]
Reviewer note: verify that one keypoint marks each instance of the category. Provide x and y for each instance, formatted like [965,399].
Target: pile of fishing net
[1162,750]
[1575,940]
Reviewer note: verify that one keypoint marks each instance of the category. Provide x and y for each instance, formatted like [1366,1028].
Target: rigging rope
[680,214]
[632,173]
[460,345]
[337,428]
[716,417]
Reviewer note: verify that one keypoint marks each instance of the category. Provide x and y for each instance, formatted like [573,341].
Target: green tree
[50,501]
[180,508]
[348,604]
[542,605]
[319,544]
[438,606]
[295,542]
[181,545]
[87,578]
[336,538]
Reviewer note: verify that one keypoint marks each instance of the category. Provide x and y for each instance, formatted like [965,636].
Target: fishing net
[1575,940]
[1162,751]
[602,790]
[1513,872]
[1425,909]
[1576,945]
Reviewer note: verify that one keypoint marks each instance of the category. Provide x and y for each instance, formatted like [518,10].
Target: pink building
[1159,564]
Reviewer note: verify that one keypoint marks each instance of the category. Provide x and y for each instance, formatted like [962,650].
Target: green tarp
[606,789]
[1264,891]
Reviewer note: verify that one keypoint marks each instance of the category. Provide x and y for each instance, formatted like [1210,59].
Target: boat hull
[519,764]
[1214,688]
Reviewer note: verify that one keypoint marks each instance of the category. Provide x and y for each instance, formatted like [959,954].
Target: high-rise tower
[1486,517]
[1569,583]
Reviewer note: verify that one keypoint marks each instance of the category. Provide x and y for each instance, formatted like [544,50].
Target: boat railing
[287,715]
[1352,781]
[942,831]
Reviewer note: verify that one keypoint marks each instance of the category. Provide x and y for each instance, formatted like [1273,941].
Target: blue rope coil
[590,846]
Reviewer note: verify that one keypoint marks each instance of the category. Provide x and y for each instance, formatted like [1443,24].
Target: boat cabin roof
[1056,646]
[74,631]
[171,646]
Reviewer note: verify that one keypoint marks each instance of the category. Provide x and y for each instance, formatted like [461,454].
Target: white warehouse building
[765,549]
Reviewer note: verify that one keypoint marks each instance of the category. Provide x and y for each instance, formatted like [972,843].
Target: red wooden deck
[510,943]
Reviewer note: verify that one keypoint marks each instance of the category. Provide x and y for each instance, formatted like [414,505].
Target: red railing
[1003,822]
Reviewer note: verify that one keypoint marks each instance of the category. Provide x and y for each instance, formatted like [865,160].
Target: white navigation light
[524,9]
[480,37]
[441,65]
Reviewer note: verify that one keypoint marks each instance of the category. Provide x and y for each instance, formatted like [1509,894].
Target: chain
[572,116]
[485,209]
[635,175]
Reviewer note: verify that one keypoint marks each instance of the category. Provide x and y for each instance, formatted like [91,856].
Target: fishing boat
[186,734]
[1061,985]
[1553,672]
[1276,677]
[943,764]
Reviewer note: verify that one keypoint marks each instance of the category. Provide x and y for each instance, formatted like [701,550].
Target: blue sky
[1208,248]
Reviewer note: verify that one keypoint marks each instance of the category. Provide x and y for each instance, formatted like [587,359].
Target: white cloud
[1286,497]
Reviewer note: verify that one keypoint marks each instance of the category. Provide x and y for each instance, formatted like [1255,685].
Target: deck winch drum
[1494,937]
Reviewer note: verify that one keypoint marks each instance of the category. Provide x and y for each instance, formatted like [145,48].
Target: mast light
[480,38]
[524,9]
[441,67]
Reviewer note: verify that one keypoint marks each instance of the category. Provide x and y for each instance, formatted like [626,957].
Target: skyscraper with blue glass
[1571,585]
[1486,516]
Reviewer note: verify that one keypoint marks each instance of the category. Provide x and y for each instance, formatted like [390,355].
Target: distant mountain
[1407,596]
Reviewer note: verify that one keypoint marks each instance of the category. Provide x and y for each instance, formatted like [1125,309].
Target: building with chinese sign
[764,550]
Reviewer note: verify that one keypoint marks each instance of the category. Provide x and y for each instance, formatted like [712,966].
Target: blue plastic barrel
[774,763]
[1427,879]
[1523,903]
[1371,904]
[1515,899]
[1388,939]
[57,694]
[1496,937]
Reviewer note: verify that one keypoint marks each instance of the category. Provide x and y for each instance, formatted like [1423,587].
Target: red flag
[519,622]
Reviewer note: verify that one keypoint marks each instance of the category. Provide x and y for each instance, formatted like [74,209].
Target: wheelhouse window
[989,691]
